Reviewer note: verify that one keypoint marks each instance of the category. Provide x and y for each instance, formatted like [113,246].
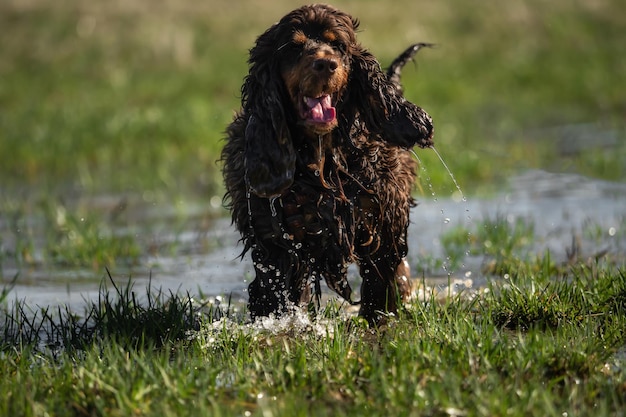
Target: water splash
[447,220]
[456,184]
[458,187]
[295,322]
[463,198]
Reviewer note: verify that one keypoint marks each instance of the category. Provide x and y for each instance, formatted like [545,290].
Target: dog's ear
[269,154]
[383,108]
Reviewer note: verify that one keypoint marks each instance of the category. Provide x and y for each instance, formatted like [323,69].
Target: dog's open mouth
[318,110]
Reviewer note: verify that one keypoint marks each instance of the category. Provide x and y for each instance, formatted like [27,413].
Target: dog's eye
[340,46]
[292,44]
[290,49]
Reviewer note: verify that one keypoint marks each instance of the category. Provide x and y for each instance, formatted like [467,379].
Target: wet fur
[310,198]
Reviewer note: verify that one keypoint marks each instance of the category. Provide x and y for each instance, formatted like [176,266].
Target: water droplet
[272,207]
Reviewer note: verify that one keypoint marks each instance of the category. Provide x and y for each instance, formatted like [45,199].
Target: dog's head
[309,75]
[315,62]
[306,56]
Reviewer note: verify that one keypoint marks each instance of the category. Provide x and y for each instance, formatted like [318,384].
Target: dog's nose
[325,65]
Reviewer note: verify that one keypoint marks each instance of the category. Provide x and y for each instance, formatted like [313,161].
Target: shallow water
[561,207]
[205,259]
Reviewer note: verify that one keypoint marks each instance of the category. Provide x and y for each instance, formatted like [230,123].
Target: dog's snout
[325,65]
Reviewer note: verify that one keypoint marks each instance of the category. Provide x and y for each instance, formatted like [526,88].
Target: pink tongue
[320,109]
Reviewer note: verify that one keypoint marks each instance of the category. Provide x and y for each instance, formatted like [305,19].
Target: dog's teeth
[310,102]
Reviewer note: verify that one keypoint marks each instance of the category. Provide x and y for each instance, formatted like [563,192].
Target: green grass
[496,238]
[508,246]
[131,99]
[532,346]
[49,234]
[79,241]
[545,340]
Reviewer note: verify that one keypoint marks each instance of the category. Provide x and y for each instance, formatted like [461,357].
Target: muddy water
[205,260]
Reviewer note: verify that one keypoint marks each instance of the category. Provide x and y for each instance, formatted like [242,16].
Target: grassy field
[129,99]
[129,96]
[533,346]
[545,339]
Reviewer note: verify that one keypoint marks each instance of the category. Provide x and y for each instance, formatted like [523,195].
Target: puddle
[560,206]
[205,259]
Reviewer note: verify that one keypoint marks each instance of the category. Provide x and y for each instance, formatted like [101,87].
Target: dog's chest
[315,218]
[322,211]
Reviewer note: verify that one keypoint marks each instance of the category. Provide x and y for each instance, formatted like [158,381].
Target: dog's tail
[394,72]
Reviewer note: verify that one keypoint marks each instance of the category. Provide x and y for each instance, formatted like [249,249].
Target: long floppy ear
[269,155]
[383,108]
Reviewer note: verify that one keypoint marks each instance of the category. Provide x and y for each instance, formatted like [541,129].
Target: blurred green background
[133,95]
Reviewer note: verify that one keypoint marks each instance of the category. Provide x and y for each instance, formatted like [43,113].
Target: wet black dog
[317,168]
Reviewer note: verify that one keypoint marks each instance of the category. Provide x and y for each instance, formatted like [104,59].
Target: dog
[317,166]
